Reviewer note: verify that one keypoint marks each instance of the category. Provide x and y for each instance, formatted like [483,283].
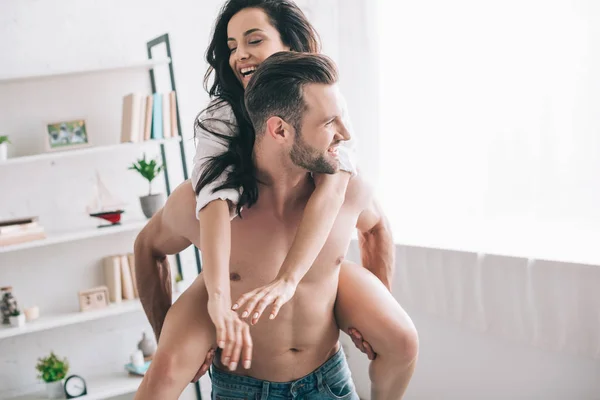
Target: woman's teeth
[247,71]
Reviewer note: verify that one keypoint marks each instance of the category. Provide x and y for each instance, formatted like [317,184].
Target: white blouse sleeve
[218,118]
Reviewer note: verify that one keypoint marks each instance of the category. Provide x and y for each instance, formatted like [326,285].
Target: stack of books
[147,117]
[119,275]
[20,230]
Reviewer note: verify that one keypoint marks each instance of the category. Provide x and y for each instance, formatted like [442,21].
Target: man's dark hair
[299,35]
[276,88]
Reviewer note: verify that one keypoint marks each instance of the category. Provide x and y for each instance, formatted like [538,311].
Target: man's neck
[281,183]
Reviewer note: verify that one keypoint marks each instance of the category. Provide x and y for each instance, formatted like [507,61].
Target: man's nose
[344,131]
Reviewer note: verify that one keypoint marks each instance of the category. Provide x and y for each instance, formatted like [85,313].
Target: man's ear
[278,129]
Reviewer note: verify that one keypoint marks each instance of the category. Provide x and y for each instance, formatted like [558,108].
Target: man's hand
[361,344]
[278,292]
[207,362]
[233,334]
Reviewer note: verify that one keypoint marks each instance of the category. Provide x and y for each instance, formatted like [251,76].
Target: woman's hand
[233,334]
[278,292]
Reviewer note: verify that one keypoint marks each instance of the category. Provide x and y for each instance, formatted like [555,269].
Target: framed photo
[66,135]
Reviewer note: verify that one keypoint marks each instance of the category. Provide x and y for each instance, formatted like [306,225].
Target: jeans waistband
[220,377]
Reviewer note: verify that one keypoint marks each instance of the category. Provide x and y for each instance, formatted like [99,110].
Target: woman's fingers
[252,302]
[243,299]
[237,347]
[221,334]
[247,349]
[276,307]
[260,307]
[228,350]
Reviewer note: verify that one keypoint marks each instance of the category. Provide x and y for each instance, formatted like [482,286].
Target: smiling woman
[485,113]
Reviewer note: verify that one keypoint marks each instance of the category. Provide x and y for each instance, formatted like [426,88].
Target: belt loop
[265,391]
[319,375]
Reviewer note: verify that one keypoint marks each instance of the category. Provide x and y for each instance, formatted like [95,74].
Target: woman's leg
[364,303]
[186,337]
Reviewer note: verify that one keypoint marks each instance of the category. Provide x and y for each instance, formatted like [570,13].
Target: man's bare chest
[261,242]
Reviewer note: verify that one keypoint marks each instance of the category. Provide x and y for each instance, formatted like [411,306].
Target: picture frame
[66,135]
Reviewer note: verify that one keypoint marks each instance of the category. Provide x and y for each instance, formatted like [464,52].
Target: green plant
[4,139]
[148,169]
[15,313]
[52,368]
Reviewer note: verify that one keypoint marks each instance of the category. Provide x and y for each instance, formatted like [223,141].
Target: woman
[246,33]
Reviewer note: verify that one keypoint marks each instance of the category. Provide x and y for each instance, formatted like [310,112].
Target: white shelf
[84,151]
[90,70]
[99,388]
[70,236]
[46,322]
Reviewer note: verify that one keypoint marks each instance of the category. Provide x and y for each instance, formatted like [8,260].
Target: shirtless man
[297,354]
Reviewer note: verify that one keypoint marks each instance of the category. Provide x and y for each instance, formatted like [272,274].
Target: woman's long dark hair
[297,34]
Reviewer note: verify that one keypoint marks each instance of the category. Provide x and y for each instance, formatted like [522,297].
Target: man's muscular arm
[375,239]
[167,232]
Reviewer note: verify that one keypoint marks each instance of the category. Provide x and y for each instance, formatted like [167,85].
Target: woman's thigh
[188,332]
[364,303]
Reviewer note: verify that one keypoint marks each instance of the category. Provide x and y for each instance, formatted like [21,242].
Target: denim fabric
[332,380]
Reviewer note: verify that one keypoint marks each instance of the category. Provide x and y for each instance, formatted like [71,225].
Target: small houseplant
[53,371]
[4,142]
[149,170]
[17,318]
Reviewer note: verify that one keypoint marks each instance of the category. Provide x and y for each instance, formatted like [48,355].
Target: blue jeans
[332,380]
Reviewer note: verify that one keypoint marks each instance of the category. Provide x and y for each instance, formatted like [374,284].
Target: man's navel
[235,277]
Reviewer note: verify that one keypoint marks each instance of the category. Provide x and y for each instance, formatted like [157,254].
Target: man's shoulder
[359,192]
[178,211]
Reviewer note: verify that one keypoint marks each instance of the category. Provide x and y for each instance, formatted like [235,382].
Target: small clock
[75,387]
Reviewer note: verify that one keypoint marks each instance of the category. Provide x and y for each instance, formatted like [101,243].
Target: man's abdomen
[302,337]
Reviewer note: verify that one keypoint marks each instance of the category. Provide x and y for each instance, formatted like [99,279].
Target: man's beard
[310,158]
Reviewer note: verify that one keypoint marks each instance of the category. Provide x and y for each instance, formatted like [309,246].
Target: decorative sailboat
[104,205]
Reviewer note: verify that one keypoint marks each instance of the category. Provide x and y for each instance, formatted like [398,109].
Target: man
[296,355]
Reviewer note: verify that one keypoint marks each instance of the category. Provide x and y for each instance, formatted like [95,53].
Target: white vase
[55,390]
[3,152]
[17,321]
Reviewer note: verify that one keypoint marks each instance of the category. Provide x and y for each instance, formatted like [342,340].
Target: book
[166,115]
[18,221]
[112,277]
[157,122]
[18,228]
[173,104]
[126,281]
[18,238]
[148,117]
[131,118]
[131,260]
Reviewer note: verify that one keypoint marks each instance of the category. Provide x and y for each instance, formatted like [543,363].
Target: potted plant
[53,371]
[17,319]
[4,142]
[149,170]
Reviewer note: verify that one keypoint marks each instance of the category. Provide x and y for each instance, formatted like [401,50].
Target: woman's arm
[213,213]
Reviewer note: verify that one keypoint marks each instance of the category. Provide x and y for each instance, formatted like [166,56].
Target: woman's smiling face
[251,39]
